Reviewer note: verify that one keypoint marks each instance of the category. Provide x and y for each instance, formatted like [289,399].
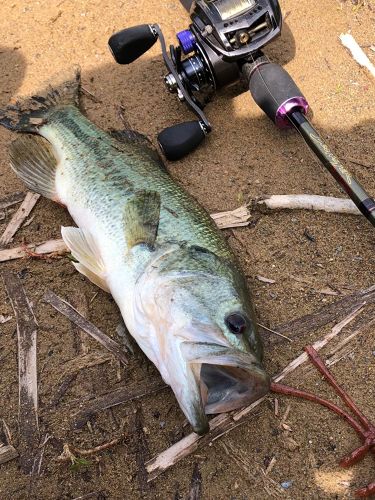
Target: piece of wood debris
[53,247]
[27,371]
[4,319]
[19,217]
[358,55]
[233,218]
[265,280]
[73,367]
[142,452]
[67,310]
[310,202]
[334,312]
[114,398]
[7,453]
[195,492]
[80,303]
[11,199]
[228,421]
[270,466]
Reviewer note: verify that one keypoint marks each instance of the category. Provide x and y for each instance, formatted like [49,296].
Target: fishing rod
[224,44]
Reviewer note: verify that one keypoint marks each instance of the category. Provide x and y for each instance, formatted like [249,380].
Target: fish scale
[103,177]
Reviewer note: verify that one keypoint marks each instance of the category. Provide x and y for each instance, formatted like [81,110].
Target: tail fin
[28,114]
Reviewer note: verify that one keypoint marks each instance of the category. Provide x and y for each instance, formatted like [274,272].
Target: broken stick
[11,199]
[19,217]
[336,311]
[55,247]
[227,421]
[27,371]
[67,310]
[7,453]
[114,398]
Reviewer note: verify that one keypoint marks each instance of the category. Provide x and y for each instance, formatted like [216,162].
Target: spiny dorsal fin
[141,218]
[33,160]
[84,249]
[122,139]
[30,113]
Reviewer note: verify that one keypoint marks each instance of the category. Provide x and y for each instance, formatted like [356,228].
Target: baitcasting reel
[223,35]
[222,45]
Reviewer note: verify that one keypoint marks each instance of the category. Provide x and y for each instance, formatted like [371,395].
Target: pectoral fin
[84,249]
[141,219]
[33,159]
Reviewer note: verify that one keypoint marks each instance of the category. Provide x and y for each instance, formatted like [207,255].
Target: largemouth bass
[142,238]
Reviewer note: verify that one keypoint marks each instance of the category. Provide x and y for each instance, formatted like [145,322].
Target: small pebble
[286,484]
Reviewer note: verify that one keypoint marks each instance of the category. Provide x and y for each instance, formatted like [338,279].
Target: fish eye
[236,322]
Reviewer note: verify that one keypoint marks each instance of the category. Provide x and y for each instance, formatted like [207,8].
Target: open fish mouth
[225,388]
[227,378]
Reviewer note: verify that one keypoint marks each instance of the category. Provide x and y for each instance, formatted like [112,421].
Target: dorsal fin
[122,139]
[141,218]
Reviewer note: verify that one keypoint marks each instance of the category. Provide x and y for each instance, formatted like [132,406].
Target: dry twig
[50,248]
[11,199]
[28,386]
[114,398]
[19,217]
[7,453]
[67,310]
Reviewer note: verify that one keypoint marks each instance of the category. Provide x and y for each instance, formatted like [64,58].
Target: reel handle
[274,90]
[129,44]
[179,140]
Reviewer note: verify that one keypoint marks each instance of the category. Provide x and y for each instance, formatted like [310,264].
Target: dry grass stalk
[19,217]
[27,371]
[227,421]
[255,473]
[51,248]
[67,310]
[70,452]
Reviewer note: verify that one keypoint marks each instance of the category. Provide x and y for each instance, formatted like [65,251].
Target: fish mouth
[227,379]
[225,388]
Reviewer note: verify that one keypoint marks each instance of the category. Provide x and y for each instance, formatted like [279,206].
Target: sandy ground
[244,157]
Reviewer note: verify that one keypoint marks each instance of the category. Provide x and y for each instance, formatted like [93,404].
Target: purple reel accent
[187,41]
[287,107]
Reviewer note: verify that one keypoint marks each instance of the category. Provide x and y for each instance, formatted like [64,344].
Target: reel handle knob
[129,44]
[275,92]
[179,140]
